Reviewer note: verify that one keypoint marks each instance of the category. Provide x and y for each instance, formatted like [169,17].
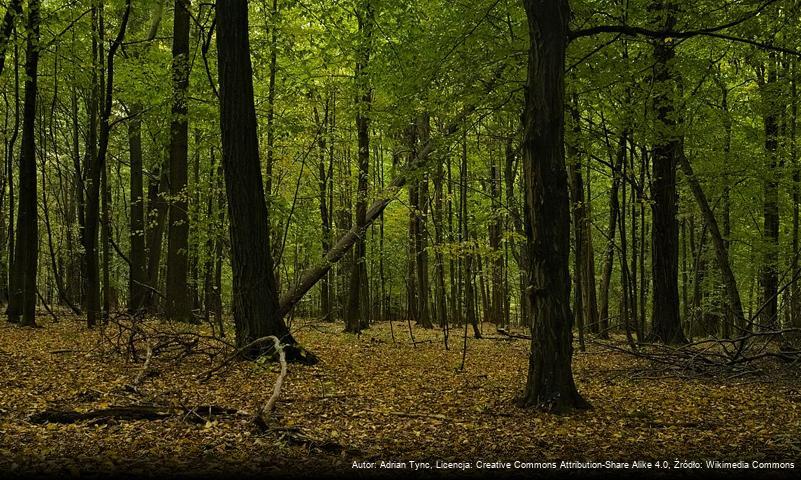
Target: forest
[391,238]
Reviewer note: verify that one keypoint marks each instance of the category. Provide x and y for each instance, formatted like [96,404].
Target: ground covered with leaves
[373,397]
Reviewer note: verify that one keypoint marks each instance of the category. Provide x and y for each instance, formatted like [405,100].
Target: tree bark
[255,304]
[96,167]
[325,218]
[769,276]
[137,279]
[357,311]
[421,230]
[666,325]
[23,296]
[609,255]
[550,384]
[721,252]
[178,301]
[13,10]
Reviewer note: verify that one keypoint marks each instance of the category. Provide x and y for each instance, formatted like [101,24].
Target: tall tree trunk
[769,276]
[178,301]
[469,290]
[9,179]
[666,326]
[23,296]
[440,299]
[325,219]
[609,255]
[13,11]
[421,230]
[582,307]
[357,311]
[495,231]
[137,279]
[729,318]
[550,384]
[519,252]
[255,299]
[95,175]
[105,240]
[411,252]
[721,252]
[89,237]
[796,290]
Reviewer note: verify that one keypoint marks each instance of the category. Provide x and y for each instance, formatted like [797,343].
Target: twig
[269,406]
[145,366]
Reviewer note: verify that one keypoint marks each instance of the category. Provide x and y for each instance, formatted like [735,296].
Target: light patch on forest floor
[370,398]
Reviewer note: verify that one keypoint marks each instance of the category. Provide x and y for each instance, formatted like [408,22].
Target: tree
[667,149]
[255,304]
[550,385]
[138,292]
[356,312]
[13,10]
[179,304]
[97,165]
[23,277]
[769,274]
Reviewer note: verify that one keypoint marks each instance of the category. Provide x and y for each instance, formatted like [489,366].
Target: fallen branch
[237,354]
[710,357]
[513,335]
[145,368]
[269,406]
[132,412]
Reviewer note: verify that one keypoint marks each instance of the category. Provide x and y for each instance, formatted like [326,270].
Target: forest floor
[372,398]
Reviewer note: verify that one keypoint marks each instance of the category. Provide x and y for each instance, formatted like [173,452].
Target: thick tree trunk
[550,384]
[769,275]
[178,301]
[92,174]
[255,299]
[421,230]
[666,326]
[23,296]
